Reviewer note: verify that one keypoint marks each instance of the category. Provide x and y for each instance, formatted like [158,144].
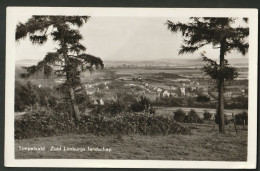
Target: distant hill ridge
[196,62]
[189,62]
[26,62]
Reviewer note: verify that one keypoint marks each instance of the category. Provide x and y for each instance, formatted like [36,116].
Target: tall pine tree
[220,33]
[68,57]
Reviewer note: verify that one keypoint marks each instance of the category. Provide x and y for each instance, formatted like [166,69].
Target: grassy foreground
[205,144]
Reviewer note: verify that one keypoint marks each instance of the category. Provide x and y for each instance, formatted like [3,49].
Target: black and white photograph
[128,87]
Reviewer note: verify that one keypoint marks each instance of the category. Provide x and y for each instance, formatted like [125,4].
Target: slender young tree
[68,60]
[220,33]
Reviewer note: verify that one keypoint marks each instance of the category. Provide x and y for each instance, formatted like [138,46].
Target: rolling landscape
[141,101]
[184,147]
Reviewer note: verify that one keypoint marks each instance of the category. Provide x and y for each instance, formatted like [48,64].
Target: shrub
[83,101]
[47,96]
[112,107]
[43,122]
[241,118]
[126,96]
[48,122]
[101,86]
[141,104]
[99,94]
[207,116]
[179,115]
[20,99]
[28,95]
[171,101]
[203,98]
[226,121]
[192,117]
[131,123]
[25,96]
[115,107]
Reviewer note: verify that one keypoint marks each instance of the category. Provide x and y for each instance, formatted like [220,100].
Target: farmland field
[205,143]
[152,71]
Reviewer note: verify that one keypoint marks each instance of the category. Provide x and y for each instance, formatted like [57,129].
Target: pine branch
[190,49]
[92,60]
[215,72]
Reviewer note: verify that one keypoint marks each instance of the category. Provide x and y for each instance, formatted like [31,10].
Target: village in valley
[163,84]
[185,87]
[189,86]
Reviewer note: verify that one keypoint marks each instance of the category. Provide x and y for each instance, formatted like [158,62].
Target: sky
[123,39]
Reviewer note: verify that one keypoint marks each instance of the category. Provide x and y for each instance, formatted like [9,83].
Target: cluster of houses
[236,92]
[183,90]
[92,88]
[163,92]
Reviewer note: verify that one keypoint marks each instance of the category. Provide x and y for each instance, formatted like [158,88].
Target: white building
[159,90]
[182,91]
[101,102]
[166,94]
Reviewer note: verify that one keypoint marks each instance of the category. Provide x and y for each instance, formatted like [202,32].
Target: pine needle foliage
[203,31]
[215,72]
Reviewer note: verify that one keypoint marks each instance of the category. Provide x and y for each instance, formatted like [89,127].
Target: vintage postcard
[131,87]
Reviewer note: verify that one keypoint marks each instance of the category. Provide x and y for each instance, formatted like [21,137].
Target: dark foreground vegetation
[45,122]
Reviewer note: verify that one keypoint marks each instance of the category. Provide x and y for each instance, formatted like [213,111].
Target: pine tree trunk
[74,105]
[221,92]
[71,91]
[221,107]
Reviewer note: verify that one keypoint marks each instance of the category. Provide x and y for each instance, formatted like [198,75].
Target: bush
[207,116]
[29,95]
[203,98]
[112,107]
[226,121]
[25,96]
[42,123]
[46,122]
[131,123]
[126,96]
[192,117]
[48,96]
[99,94]
[179,115]
[101,86]
[141,104]
[241,118]
[20,99]
[83,101]
[171,101]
